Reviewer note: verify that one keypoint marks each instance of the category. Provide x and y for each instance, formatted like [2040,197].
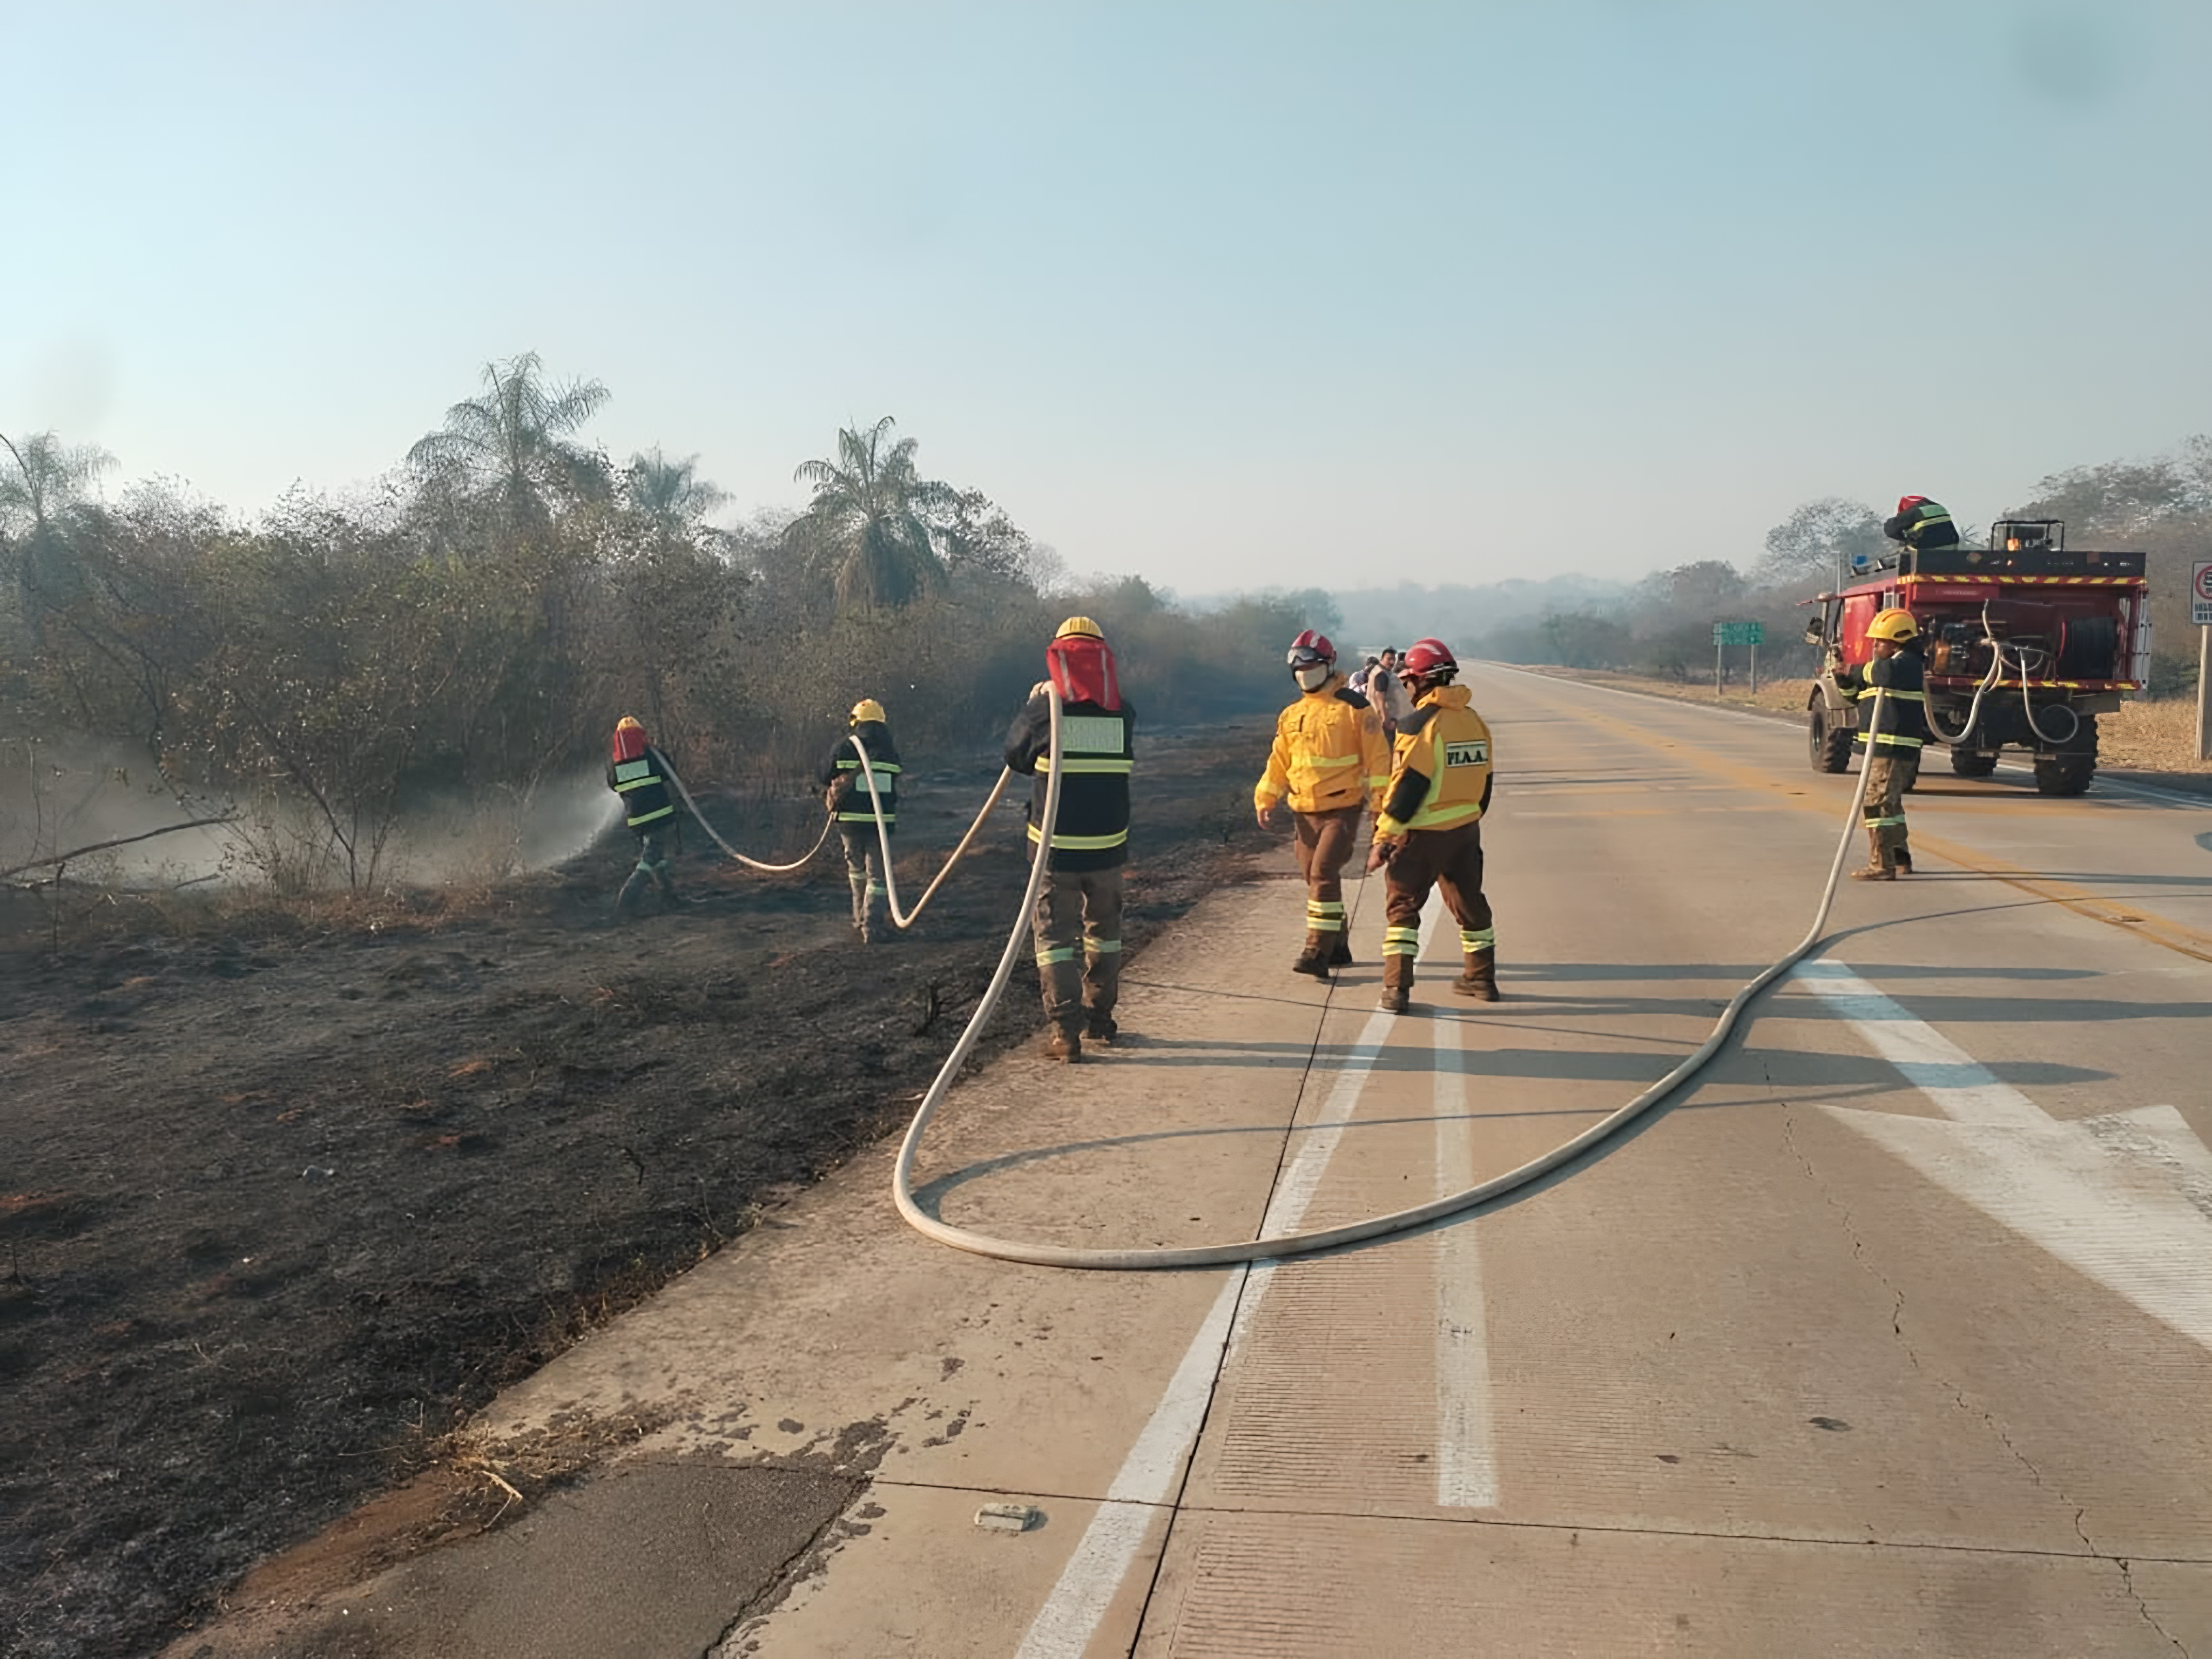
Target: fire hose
[903,918]
[797,863]
[1999,661]
[1264,1249]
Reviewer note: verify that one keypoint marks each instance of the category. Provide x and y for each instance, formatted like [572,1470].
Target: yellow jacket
[1328,753]
[1441,776]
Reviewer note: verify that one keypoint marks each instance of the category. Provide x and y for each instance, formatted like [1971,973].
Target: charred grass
[294,1189]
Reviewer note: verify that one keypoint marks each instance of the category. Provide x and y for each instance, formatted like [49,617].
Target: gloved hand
[1384,849]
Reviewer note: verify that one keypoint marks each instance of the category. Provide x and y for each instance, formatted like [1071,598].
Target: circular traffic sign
[2205,581]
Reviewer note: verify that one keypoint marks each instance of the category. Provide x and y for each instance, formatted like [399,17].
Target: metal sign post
[1736,633]
[2200,614]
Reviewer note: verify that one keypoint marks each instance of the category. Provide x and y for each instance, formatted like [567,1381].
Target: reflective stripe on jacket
[643,785]
[1927,525]
[1097,748]
[1328,753]
[842,768]
[1904,716]
[1441,776]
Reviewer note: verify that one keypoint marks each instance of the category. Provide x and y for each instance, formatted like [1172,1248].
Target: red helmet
[1906,503]
[1310,648]
[1427,659]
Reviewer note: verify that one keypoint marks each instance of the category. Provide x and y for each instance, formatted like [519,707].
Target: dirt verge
[2144,742]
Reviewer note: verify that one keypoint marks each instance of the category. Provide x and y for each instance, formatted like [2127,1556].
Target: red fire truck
[2026,642]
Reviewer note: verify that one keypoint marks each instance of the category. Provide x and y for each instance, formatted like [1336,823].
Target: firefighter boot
[1340,953]
[1879,868]
[1313,956]
[1062,981]
[1479,981]
[632,891]
[859,883]
[1902,857]
[1101,994]
[668,899]
[1397,983]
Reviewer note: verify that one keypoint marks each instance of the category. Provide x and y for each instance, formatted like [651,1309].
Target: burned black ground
[281,1204]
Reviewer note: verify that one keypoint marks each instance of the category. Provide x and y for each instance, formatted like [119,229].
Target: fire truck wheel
[2065,775]
[1966,763]
[1831,745]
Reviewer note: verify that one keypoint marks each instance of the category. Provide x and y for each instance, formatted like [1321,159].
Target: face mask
[1311,679]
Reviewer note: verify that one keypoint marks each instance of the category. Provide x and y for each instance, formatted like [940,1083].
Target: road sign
[2200,593]
[1749,633]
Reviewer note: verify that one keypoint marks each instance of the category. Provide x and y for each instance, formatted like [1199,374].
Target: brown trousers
[1449,859]
[1890,771]
[1078,907]
[1325,842]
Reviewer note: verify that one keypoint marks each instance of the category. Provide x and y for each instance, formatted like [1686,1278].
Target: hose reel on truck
[2068,628]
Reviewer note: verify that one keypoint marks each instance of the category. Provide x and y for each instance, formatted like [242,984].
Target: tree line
[1664,626]
[468,630]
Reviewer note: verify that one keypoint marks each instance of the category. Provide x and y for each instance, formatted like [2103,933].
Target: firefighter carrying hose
[639,777]
[846,795]
[1893,747]
[1082,894]
[1429,832]
[1330,760]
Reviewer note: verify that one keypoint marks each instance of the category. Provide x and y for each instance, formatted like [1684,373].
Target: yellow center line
[2158,930]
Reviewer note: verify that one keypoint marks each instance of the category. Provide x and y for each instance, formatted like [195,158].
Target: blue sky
[1227,295]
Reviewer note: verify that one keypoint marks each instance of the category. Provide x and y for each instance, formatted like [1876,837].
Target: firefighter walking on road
[1429,833]
[845,791]
[1328,760]
[1080,902]
[1893,747]
[639,777]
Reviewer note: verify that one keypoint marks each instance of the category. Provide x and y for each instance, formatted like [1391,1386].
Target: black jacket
[842,768]
[1925,526]
[1097,748]
[643,785]
[1903,723]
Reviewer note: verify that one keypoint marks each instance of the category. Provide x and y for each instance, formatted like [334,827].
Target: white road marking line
[1467,1461]
[1063,1626]
[1961,1088]
[1109,1545]
[2119,1198]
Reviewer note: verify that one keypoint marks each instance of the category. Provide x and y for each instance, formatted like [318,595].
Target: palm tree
[863,517]
[45,492]
[670,497]
[510,445]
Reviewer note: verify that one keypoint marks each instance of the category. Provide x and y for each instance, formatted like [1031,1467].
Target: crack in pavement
[1958,1394]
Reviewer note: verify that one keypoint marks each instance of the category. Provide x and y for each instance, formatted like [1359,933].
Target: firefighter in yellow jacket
[1429,833]
[1329,760]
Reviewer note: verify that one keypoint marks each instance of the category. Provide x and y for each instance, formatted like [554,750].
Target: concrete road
[1891,1334]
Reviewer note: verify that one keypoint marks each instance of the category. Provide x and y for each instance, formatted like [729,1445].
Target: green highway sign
[1738,634]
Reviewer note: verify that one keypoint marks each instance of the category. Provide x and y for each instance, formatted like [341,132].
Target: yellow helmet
[1894,625]
[867,709]
[629,723]
[1082,625]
